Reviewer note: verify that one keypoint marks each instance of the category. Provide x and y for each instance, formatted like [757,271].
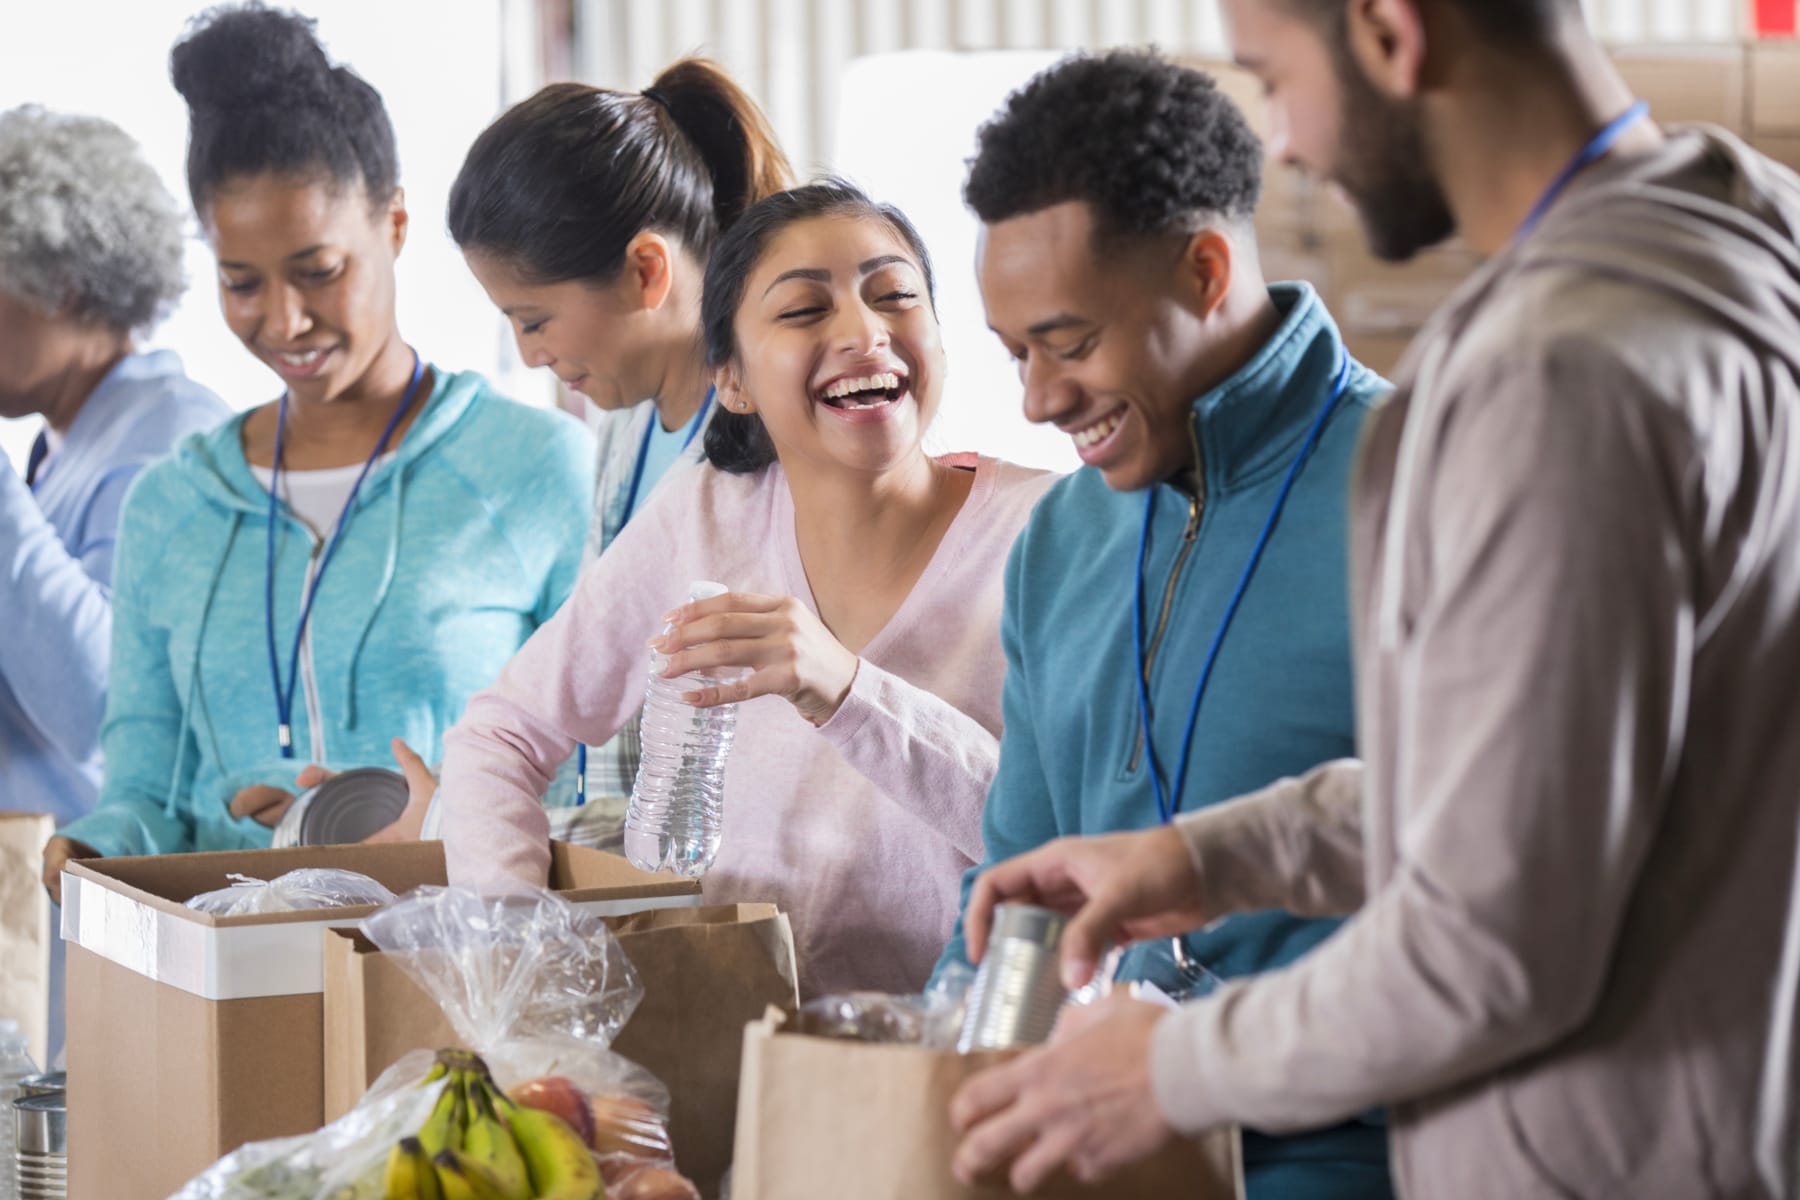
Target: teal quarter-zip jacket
[1280,697]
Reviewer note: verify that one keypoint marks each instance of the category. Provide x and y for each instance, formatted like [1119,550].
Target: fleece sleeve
[149,751]
[1539,721]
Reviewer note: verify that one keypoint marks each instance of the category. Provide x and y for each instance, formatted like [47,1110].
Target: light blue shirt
[666,446]
[56,556]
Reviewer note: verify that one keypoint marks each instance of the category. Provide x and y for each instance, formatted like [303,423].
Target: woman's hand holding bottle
[786,649]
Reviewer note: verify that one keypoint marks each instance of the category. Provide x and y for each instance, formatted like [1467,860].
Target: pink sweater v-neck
[860,829]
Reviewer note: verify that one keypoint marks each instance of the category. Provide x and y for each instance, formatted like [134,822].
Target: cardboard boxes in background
[190,1034]
[1305,232]
[25,928]
[823,1119]
[1774,92]
[706,972]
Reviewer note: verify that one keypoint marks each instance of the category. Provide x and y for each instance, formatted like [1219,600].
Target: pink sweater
[860,829]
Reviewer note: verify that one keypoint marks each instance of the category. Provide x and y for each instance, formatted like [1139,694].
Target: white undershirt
[316,497]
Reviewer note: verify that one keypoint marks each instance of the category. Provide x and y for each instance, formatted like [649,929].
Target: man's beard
[1385,169]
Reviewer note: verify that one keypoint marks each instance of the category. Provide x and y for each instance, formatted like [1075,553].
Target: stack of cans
[41,1126]
[1017,993]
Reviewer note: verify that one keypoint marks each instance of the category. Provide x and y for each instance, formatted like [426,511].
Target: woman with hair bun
[353,560]
[588,215]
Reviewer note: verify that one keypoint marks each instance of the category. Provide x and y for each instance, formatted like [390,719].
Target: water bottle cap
[705,589]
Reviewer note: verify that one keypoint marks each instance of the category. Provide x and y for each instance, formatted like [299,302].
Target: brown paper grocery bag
[706,972]
[25,926]
[822,1119]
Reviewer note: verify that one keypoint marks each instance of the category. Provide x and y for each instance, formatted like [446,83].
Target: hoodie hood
[1703,220]
[213,464]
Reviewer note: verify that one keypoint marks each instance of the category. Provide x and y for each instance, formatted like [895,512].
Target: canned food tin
[345,808]
[1016,994]
[38,1085]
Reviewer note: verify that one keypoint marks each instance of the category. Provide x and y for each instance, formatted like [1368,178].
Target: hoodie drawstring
[170,801]
[389,568]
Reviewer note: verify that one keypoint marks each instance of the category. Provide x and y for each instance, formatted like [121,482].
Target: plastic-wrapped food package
[297,891]
[931,1019]
[540,988]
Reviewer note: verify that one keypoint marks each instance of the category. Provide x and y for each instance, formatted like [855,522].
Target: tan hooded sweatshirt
[1576,569]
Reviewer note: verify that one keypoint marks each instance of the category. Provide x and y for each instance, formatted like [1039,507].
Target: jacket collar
[115,392]
[1250,426]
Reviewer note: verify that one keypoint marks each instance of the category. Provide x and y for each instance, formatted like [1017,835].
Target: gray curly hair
[86,226]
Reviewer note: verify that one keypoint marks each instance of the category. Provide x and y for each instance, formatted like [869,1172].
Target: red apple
[654,1183]
[559,1097]
[627,1126]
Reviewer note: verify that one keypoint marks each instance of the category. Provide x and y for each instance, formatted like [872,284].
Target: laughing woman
[866,581]
[352,561]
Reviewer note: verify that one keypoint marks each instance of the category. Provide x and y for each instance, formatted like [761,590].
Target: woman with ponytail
[861,634]
[588,215]
[344,564]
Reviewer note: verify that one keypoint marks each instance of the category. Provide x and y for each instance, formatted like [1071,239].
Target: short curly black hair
[1152,147]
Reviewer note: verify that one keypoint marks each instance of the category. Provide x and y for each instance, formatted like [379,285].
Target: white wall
[438,66]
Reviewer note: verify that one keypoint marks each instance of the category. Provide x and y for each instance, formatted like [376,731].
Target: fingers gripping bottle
[677,804]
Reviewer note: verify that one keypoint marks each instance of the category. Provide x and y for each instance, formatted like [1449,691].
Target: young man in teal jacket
[1197,560]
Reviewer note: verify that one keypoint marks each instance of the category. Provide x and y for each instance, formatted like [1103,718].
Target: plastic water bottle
[677,803]
[15,1065]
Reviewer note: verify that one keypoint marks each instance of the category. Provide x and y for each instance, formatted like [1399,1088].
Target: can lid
[705,589]
[1029,922]
[351,805]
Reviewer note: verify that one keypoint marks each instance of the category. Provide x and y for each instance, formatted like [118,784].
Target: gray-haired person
[90,257]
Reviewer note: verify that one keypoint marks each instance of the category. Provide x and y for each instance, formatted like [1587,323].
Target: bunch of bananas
[478,1145]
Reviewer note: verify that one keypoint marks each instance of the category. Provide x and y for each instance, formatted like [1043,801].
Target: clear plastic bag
[931,1019]
[540,989]
[297,891]
[343,1161]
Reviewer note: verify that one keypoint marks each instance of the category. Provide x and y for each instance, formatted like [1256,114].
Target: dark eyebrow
[295,256]
[817,274]
[1059,321]
[875,264]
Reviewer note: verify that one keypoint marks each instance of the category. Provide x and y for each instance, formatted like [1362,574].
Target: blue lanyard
[643,454]
[1598,145]
[631,499]
[1167,799]
[284,694]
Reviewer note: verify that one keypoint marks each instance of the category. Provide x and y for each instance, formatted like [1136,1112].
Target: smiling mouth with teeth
[868,391]
[304,359]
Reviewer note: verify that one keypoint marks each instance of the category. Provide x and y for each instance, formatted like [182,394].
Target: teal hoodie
[460,544]
[1280,697]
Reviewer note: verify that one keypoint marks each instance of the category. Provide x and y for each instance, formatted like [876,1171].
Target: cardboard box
[1371,297]
[824,1119]
[1775,88]
[1688,83]
[191,1034]
[1380,353]
[707,972]
[1784,150]
[25,928]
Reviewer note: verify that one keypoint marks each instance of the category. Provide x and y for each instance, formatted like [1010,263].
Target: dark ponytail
[560,184]
[263,97]
[739,442]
